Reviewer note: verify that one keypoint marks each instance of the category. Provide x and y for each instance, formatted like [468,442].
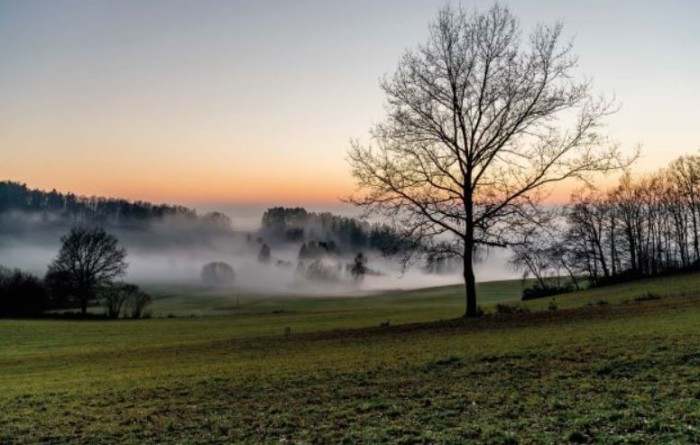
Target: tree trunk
[469,279]
[470,286]
[84,295]
[696,243]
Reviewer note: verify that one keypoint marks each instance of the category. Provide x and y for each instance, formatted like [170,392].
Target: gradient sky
[225,102]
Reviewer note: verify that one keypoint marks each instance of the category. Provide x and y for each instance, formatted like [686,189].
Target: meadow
[619,364]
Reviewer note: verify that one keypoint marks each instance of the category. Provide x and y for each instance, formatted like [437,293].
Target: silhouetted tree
[470,139]
[89,258]
[543,256]
[21,294]
[644,226]
[684,174]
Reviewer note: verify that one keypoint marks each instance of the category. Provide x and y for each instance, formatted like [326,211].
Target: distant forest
[67,207]
[280,224]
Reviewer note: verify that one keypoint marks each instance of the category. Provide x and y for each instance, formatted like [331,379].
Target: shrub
[542,292]
[124,298]
[620,277]
[508,309]
[137,303]
[60,289]
[21,294]
[114,296]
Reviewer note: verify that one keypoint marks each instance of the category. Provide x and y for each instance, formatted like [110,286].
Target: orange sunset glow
[210,114]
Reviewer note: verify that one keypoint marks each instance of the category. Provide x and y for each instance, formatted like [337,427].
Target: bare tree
[116,295]
[685,173]
[546,256]
[89,259]
[137,303]
[480,124]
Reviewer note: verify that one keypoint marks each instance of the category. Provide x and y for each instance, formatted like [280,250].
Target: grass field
[610,365]
[199,301]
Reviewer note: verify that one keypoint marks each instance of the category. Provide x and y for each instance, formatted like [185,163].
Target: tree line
[641,227]
[282,224]
[85,271]
[15,196]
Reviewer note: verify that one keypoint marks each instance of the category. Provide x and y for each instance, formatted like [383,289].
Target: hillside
[622,372]
[418,304]
[401,306]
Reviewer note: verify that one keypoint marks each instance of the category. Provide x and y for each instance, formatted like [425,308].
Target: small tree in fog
[218,273]
[89,259]
[321,271]
[264,255]
[358,268]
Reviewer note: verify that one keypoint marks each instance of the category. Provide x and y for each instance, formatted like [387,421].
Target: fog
[173,252]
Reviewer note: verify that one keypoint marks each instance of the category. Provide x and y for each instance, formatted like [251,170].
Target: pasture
[619,364]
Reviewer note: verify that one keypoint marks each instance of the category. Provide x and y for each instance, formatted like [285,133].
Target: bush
[60,289]
[137,303]
[621,277]
[124,298]
[507,309]
[21,294]
[542,292]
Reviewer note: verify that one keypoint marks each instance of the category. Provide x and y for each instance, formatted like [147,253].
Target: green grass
[203,301]
[624,372]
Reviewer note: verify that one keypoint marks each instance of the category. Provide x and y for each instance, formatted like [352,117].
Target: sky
[246,103]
